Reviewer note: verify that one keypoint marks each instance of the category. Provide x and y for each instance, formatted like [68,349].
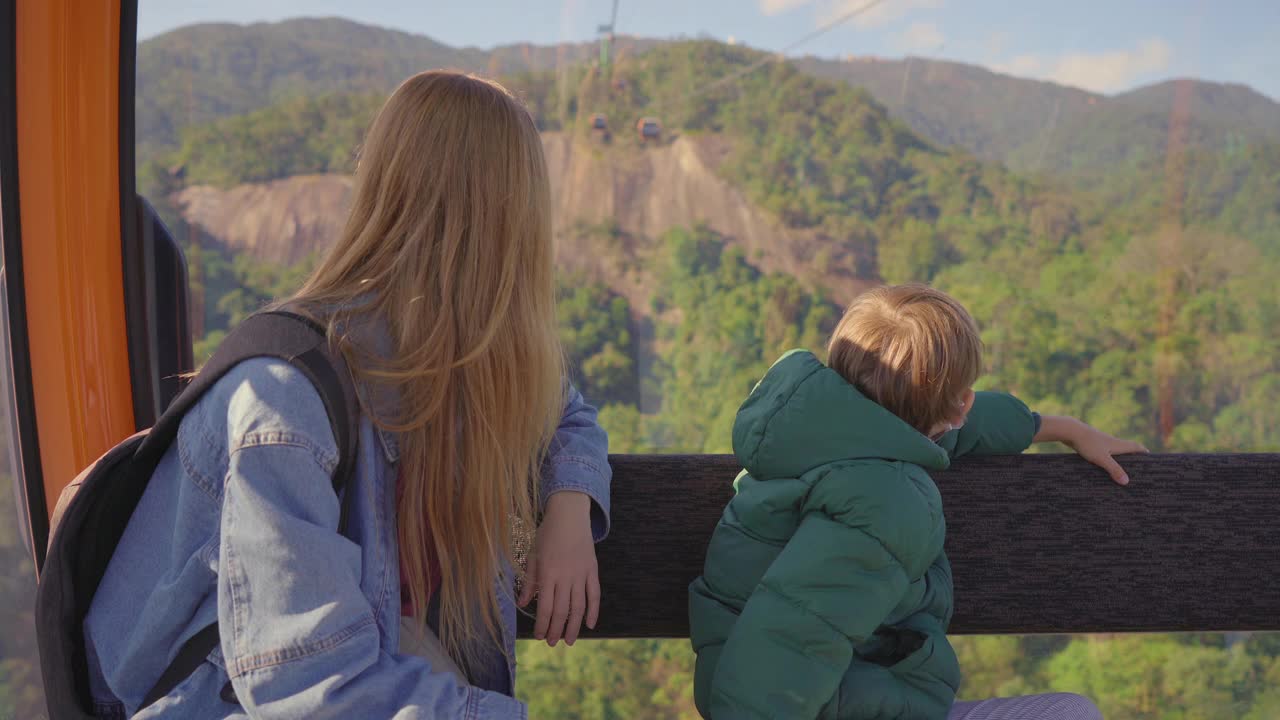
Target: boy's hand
[1091,443]
[562,570]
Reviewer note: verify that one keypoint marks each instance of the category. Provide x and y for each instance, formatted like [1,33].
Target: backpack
[93,511]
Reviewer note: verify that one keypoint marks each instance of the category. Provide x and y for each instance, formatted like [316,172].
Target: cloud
[1104,72]
[1021,66]
[880,15]
[1112,71]
[777,7]
[919,37]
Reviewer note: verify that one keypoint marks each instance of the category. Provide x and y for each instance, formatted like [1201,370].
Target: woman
[440,295]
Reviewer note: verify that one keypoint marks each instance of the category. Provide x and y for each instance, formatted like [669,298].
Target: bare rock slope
[641,192]
[282,221]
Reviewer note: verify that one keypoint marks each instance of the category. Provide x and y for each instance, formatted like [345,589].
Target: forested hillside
[204,72]
[1019,121]
[1186,259]
[1121,277]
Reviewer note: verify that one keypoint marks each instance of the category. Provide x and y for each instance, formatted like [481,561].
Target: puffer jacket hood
[803,415]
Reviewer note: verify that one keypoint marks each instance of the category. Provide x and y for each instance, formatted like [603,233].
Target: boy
[826,592]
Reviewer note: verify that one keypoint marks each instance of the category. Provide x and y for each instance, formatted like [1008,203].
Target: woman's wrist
[569,501]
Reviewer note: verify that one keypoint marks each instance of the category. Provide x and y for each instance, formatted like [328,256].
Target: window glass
[21,691]
[1097,185]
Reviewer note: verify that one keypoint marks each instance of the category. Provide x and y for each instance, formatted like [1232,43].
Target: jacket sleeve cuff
[579,461]
[577,474]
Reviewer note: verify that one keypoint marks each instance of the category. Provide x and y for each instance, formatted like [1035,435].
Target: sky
[1106,46]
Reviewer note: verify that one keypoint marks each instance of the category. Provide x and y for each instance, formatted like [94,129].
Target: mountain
[199,73]
[614,204]
[813,177]
[770,200]
[1206,153]
[202,72]
[281,222]
[1134,152]
[1033,125]
[1229,105]
[955,104]
[1116,148]
[1143,126]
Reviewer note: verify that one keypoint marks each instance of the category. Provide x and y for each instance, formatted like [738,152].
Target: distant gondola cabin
[649,129]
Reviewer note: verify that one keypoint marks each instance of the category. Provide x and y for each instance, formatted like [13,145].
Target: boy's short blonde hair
[911,348]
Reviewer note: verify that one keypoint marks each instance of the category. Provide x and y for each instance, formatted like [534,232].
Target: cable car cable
[781,54]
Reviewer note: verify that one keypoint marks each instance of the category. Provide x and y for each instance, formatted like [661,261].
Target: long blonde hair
[449,243]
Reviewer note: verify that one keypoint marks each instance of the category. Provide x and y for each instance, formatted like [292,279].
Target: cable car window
[1097,187]
[21,693]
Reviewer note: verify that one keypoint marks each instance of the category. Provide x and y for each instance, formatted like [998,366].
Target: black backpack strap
[343,409]
[286,336]
[190,656]
[302,343]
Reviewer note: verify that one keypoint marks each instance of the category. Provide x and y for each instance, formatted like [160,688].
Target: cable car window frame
[18,348]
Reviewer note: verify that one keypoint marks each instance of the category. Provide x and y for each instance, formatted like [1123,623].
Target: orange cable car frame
[86,262]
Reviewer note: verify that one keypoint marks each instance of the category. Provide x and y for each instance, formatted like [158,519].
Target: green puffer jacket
[826,593]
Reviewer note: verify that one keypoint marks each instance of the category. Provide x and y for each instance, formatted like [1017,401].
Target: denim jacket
[239,524]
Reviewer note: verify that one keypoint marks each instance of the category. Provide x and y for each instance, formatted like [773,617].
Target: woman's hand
[1091,443]
[562,570]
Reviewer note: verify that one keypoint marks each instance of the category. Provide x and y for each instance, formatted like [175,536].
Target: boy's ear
[963,407]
